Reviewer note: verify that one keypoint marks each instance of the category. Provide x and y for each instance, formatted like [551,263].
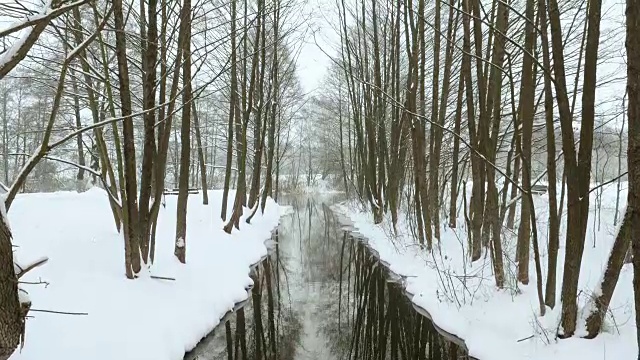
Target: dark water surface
[322,295]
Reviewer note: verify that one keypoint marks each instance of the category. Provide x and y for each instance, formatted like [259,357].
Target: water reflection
[322,295]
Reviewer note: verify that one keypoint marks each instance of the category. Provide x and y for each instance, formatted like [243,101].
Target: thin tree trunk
[527,96]
[600,303]
[453,214]
[275,98]
[201,161]
[76,111]
[554,221]
[241,129]
[342,162]
[233,108]
[180,249]
[132,236]
[5,135]
[260,127]
[441,112]
[149,67]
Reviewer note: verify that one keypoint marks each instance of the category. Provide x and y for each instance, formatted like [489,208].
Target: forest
[501,134]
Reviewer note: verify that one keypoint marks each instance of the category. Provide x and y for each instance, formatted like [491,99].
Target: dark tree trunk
[233,108]
[180,248]
[11,313]
[241,130]
[453,213]
[527,98]
[435,142]
[260,127]
[130,208]
[275,98]
[149,66]
[81,161]
[633,153]
[554,221]
[601,300]
[201,161]
[578,168]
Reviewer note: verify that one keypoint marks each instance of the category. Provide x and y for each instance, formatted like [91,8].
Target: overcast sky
[312,61]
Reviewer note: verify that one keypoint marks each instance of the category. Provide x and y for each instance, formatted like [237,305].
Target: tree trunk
[554,221]
[453,214]
[11,314]
[260,127]
[275,98]
[201,162]
[130,209]
[180,249]
[435,142]
[241,130]
[233,107]
[578,169]
[342,162]
[633,153]
[511,217]
[602,298]
[76,111]
[527,98]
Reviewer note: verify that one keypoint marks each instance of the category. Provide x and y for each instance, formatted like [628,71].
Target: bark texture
[11,314]
[633,152]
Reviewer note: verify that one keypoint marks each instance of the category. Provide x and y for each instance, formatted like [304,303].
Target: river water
[321,295]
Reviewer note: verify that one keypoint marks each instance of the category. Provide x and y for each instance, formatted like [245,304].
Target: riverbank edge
[190,354]
[155,334]
[349,227]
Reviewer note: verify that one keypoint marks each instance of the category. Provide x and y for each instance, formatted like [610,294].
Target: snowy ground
[504,324]
[128,319]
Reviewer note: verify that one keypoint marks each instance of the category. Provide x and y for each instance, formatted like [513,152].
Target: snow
[462,299]
[23,297]
[22,38]
[180,243]
[138,319]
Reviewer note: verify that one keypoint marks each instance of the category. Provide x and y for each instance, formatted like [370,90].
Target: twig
[34,283]
[30,267]
[527,338]
[162,278]
[58,312]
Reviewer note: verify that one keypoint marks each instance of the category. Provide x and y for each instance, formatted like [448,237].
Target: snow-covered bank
[504,324]
[129,319]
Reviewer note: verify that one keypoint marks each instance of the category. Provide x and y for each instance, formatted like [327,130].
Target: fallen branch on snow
[162,278]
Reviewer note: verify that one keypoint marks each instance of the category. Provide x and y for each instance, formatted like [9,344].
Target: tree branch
[23,271]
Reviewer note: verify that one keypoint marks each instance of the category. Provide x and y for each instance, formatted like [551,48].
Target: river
[321,295]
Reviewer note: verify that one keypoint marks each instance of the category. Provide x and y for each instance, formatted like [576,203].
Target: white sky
[312,61]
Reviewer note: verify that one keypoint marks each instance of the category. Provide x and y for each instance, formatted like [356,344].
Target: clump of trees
[135,97]
[427,97]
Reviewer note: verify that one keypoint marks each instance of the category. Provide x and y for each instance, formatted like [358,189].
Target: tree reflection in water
[323,295]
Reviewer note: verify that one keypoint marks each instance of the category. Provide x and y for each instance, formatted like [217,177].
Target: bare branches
[59,312]
[22,270]
[45,16]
